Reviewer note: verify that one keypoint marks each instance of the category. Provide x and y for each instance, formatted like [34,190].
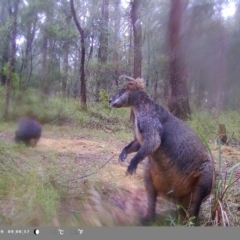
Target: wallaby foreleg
[133,146]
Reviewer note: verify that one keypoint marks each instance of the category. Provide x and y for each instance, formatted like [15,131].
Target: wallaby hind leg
[151,198]
[192,203]
[201,193]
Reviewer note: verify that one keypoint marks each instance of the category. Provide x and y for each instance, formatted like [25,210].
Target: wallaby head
[123,96]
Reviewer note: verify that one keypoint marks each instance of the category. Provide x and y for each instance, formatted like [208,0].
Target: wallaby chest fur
[179,166]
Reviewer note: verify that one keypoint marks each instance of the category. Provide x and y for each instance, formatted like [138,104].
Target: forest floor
[82,165]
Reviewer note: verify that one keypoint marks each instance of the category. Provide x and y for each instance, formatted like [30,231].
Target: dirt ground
[104,152]
[123,194]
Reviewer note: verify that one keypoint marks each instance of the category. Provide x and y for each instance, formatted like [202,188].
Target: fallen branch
[92,172]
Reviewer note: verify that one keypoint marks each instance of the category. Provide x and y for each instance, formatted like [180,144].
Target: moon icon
[36,231]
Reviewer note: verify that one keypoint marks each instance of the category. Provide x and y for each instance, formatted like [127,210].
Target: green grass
[58,110]
[26,193]
[226,188]
[206,123]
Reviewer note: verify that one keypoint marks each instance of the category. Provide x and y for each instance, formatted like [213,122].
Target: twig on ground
[92,172]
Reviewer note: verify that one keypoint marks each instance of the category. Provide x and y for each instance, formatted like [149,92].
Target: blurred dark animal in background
[29,132]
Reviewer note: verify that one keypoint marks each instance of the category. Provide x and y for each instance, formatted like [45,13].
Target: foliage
[14,77]
[58,110]
[46,30]
[225,186]
[104,97]
[206,123]
[21,175]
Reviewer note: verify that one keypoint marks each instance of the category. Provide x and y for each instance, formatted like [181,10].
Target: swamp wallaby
[179,167]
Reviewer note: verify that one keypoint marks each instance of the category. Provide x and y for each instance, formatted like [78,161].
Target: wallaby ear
[127,78]
[132,83]
[141,83]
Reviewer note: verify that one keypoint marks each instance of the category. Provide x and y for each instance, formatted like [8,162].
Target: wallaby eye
[121,92]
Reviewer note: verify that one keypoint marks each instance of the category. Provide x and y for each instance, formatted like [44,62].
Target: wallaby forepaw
[122,156]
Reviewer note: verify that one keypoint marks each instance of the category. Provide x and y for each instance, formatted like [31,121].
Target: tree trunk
[137,38]
[130,51]
[178,101]
[218,70]
[50,64]
[44,75]
[26,67]
[83,95]
[12,51]
[103,39]
[5,45]
[4,60]
[117,25]
[103,48]
[65,68]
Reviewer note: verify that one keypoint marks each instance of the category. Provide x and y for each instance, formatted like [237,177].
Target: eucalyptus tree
[137,38]
[13,12]
[4,39]
[178,100]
